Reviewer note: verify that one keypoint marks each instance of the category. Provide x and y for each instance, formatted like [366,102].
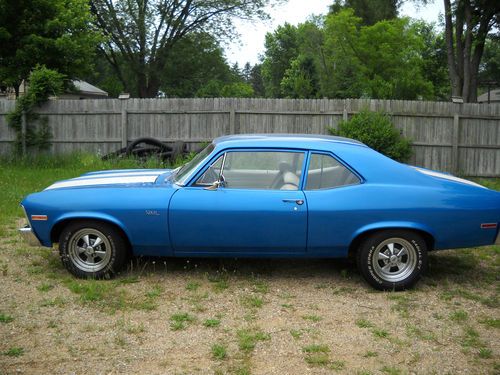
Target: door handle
[300,202]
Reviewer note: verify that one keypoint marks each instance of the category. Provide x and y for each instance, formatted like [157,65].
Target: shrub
[376,130]
[43,83]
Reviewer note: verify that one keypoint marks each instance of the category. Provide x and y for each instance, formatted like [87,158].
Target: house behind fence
[460,138]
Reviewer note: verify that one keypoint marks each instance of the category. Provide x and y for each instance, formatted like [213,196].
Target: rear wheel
[92,249]
[392,259]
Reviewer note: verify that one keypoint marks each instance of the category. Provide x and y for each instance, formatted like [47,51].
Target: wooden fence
[458,138]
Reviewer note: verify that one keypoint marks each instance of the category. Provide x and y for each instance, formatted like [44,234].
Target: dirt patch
[176,316]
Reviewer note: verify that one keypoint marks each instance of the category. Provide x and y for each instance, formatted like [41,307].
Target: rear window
[325,172]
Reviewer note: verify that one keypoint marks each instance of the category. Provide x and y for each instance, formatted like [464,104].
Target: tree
[300,80]
[370,11]
[467,24]
[384,60]
[55,33]
[489,70]
[142,33]
[193,62]
[281,48]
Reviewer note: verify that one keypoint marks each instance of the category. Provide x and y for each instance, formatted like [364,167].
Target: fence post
[454,144]
[345,115]
[23,133]
[124,124]
[232,121]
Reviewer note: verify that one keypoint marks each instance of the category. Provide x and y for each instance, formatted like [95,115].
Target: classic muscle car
[267,196]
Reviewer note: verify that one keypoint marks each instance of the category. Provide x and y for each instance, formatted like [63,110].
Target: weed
[485,353]
[45,287]
[337,365]
[391,370]
[252,301]
[211,323]
[178,321]
[248,338]
[296,334]
[363,323]
[193,286]
[219,351]
[380,333]
[312,318]
[316,348]
[459,316]
[55,302]
[260,287]
[470,338]
[491,322]
[370,354]
[4,318]
[14,352]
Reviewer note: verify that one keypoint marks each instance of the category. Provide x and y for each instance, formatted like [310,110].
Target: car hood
[132,177]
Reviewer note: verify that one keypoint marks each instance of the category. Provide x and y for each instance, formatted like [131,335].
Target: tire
[392,259]
[83,258]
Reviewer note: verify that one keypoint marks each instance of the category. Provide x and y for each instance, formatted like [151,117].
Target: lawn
[184,316]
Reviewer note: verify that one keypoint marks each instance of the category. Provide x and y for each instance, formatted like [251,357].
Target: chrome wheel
[89,250]
[394,259]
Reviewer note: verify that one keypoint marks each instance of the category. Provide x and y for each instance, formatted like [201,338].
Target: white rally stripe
[124,174]
[447,177]
[103,181]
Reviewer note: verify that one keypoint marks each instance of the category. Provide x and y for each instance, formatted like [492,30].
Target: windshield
[185,171]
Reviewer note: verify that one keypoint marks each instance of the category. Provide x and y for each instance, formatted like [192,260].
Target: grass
[14,352]
[180,321]
[210,323]
[252,301]
[219,351]
[317,354]
[248,338]
[459,316]
[4,318]
[313,318]
[363,323]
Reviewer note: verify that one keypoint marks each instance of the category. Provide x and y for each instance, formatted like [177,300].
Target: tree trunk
[456,86]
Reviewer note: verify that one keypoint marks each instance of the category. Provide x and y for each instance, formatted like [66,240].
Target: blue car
[307,196]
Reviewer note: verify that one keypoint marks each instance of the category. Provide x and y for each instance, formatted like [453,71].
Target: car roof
[285,138]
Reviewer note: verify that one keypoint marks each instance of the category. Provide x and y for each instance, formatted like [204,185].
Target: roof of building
[494,96]
[86,88]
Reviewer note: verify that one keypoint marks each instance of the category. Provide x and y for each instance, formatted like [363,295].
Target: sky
[252,33]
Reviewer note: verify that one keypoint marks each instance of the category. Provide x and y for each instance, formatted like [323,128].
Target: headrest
[290,178]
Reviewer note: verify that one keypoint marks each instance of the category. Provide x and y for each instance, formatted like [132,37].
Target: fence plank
[462,139]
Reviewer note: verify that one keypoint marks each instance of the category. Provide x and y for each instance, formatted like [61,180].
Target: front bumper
[28,236]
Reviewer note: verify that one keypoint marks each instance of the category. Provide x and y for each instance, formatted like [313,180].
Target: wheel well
[353,248]
[58,228]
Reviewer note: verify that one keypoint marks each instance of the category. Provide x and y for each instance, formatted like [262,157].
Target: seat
[290,181]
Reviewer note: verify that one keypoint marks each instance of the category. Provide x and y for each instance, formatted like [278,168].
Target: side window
[325,173]
[211,174]
[276,170]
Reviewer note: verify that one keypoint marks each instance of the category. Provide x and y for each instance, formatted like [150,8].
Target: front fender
[79,215]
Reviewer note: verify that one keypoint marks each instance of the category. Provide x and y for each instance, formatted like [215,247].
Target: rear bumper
[29,237]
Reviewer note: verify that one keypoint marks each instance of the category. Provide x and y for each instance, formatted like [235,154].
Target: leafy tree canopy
[55,33]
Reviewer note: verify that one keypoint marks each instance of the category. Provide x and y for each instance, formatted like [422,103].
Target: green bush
[43,83]
[376,130]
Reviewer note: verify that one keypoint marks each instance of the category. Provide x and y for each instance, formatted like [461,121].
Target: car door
[259,209]
[335,197]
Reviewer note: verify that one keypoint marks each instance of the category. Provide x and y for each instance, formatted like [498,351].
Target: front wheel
[392,259]
[92,249]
